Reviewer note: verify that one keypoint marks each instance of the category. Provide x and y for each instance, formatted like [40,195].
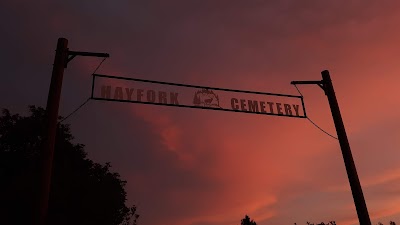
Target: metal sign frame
[199,87]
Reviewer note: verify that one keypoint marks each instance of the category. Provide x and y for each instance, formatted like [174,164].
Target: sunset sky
[202,167]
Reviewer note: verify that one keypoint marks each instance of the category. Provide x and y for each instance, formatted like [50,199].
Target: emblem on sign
[206,98]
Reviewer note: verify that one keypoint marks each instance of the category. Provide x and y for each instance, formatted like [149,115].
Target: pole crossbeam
[307,82]
[320,83]
[73,54]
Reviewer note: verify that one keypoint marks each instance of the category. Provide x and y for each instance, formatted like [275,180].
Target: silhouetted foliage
[391,223]
[83,192]
[247,221]
[322,223]
[334,223]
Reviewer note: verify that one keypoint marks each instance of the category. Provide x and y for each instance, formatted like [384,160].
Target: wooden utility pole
[53,102]
[63,56]
[358,196]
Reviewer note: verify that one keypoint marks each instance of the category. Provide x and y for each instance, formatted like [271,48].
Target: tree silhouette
[247,221]
[322,223]
[82,192]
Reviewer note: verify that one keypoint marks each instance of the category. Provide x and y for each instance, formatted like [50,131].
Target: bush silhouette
[82,191]
[247,221]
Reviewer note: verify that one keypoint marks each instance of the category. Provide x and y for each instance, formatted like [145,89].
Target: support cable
[313,121]
[87,100]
